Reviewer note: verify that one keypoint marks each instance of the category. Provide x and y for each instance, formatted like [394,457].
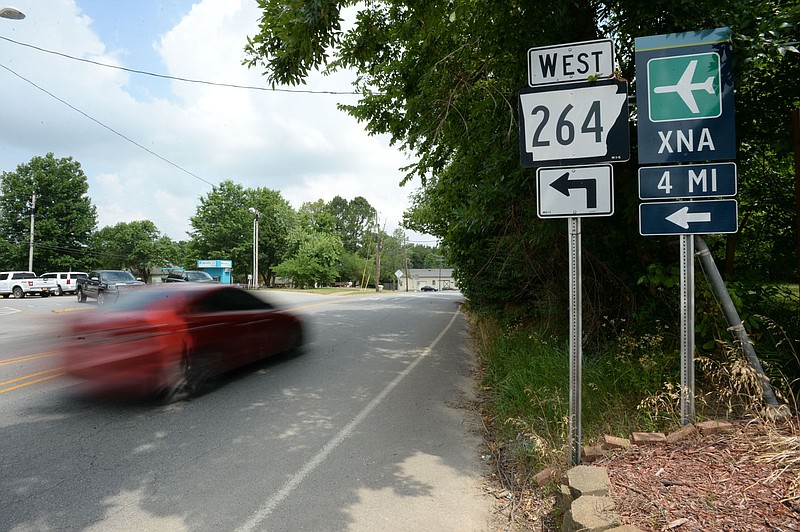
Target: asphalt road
[365,430]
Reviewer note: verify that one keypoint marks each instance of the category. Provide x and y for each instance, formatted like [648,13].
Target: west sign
[571,62]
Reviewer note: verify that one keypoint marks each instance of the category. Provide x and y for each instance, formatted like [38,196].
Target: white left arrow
[682,217]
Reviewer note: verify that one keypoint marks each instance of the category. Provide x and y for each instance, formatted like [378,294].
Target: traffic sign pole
[687,329]
[796,138]
[575,347]
[565,121]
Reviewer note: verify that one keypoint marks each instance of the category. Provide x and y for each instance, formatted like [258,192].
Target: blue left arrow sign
[688,217]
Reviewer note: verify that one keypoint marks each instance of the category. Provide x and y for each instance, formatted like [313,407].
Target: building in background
[438,278]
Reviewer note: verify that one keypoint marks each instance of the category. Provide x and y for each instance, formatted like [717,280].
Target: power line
[175,78]
[111,129]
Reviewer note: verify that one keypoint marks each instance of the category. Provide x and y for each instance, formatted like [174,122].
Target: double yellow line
[27,380]
[33,378]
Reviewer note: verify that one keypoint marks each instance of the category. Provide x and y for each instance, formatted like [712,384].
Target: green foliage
[64,217]
[353,221]
[420,256]
[441,80]
[527,372]
[222,228]
[351,267]
[660,276]
[135,246]
[299,44]
[315,261]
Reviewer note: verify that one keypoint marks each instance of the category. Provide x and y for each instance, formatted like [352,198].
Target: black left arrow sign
[564,184]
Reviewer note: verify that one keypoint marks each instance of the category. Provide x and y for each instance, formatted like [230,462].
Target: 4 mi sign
[687,181]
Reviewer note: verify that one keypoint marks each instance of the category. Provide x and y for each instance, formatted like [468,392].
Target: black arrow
[563,184]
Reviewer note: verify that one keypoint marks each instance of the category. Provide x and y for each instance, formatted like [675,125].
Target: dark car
[427,289]
[106,286]
[189,276]
[170,340]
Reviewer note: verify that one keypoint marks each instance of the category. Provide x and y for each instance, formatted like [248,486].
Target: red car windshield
[149,299]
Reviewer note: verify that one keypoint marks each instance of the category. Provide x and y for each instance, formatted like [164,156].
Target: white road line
[269,506]
[8,310]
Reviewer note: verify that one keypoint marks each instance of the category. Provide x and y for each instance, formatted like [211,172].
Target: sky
[151,147]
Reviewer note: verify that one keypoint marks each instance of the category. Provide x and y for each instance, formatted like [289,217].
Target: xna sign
[685,97]
[571,62]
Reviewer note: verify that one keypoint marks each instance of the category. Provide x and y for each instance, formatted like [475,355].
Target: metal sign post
[687,329]
[564,121]
[575,347]
[686,115]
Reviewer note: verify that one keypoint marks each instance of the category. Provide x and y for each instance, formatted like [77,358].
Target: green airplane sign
[684,87]
[685,97]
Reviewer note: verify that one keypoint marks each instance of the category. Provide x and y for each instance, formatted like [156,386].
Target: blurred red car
[170,340]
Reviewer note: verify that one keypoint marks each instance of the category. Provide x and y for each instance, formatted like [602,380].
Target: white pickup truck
[21,284]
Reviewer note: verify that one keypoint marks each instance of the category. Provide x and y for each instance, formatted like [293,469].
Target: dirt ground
[744,479]
[747,479]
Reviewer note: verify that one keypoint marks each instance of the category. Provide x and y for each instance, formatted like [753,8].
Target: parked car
[170,340]
[21,284]
[65,281]
[189,276]
[106,285]
[427,289]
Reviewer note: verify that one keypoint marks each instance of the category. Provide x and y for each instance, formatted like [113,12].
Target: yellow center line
[26,358]
[26,377]
[346,299]
[292,309]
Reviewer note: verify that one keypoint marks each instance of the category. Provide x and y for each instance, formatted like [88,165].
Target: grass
[792,289]
[526,375]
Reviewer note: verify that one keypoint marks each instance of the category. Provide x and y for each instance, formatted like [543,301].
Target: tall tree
[222,228]
[276,222]
[314,217]
[315,262]
[441,79]
[354,219]
[64,216]
[137,246]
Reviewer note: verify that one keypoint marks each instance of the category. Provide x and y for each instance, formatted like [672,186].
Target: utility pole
[256,215]
[405,258]
[377,253]
[30,249]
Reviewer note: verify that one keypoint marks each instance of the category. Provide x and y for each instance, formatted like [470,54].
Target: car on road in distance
[428,289]
[66,281]
[189,276]
[170,340]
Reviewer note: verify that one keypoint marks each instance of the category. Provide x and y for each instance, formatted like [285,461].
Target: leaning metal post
[735,325]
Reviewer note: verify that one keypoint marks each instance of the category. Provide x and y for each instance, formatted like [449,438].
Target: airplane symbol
[685,88]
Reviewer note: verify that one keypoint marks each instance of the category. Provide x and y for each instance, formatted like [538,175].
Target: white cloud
[300,144]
